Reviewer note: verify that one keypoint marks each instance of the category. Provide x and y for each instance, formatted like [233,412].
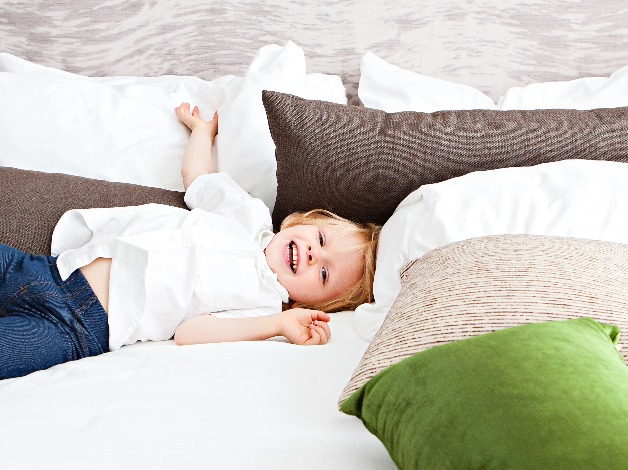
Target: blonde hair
[368,233]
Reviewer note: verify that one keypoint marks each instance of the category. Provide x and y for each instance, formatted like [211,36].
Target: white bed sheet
[244,405]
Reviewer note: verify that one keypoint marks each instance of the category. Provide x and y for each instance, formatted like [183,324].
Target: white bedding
[265,404]
[124,128]
[156,405]
[570,198]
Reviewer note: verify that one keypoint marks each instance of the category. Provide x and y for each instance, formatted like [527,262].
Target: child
[211,274]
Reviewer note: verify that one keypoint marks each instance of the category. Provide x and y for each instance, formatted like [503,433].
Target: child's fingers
[315,337]
[182,110]
[326,332]
[183,106]
[320,316]
[320,333]
[196,112]
[325,326]
[323,335]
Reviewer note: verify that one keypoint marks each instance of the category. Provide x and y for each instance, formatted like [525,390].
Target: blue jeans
[45,321]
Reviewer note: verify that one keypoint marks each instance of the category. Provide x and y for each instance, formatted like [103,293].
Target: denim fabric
[45,321]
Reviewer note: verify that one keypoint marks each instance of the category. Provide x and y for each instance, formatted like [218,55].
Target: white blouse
[170,264]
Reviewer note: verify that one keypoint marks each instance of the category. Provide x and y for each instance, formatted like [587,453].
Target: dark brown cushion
[31,203]
[361,162]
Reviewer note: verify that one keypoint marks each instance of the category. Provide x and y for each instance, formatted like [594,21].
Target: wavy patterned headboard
[488,44]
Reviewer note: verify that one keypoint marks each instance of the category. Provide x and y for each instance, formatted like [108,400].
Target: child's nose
[311,255]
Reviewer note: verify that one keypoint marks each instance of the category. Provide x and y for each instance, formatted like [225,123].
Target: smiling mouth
[293,256]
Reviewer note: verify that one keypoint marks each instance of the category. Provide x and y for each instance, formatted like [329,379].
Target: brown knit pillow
[361,162]
[490,283]
[31,203]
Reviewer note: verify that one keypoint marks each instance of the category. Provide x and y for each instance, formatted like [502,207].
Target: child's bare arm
[197,158]
[299,326]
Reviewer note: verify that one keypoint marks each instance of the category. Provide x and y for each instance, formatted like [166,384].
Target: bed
[520,107]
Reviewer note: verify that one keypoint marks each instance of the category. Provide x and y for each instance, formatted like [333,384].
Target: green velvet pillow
[537,396]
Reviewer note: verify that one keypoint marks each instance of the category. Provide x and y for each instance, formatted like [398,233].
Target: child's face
[316,263]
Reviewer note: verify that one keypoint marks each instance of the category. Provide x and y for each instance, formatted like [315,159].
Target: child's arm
[197,158]
[299,326]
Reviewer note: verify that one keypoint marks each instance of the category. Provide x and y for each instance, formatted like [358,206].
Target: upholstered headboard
[488,44]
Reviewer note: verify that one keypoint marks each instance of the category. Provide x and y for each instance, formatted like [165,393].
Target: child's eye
[321,240]
[324,275]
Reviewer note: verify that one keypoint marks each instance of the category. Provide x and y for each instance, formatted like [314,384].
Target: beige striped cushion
[484,284]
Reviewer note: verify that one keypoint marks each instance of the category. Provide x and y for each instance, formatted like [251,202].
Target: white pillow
[571,198]
[245,147]
[115,133]
[583,93]
[392,89]
[124,128]
[194,86]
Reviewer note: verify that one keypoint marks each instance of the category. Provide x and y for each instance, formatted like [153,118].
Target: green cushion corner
[544,395]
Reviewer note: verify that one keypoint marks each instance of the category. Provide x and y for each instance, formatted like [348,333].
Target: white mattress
[243,405]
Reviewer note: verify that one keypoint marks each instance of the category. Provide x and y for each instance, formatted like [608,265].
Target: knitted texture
[32,202]
[490,283]
[361,163]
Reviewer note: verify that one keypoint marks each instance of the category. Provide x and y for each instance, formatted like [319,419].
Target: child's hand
[304,326]
[193,119]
